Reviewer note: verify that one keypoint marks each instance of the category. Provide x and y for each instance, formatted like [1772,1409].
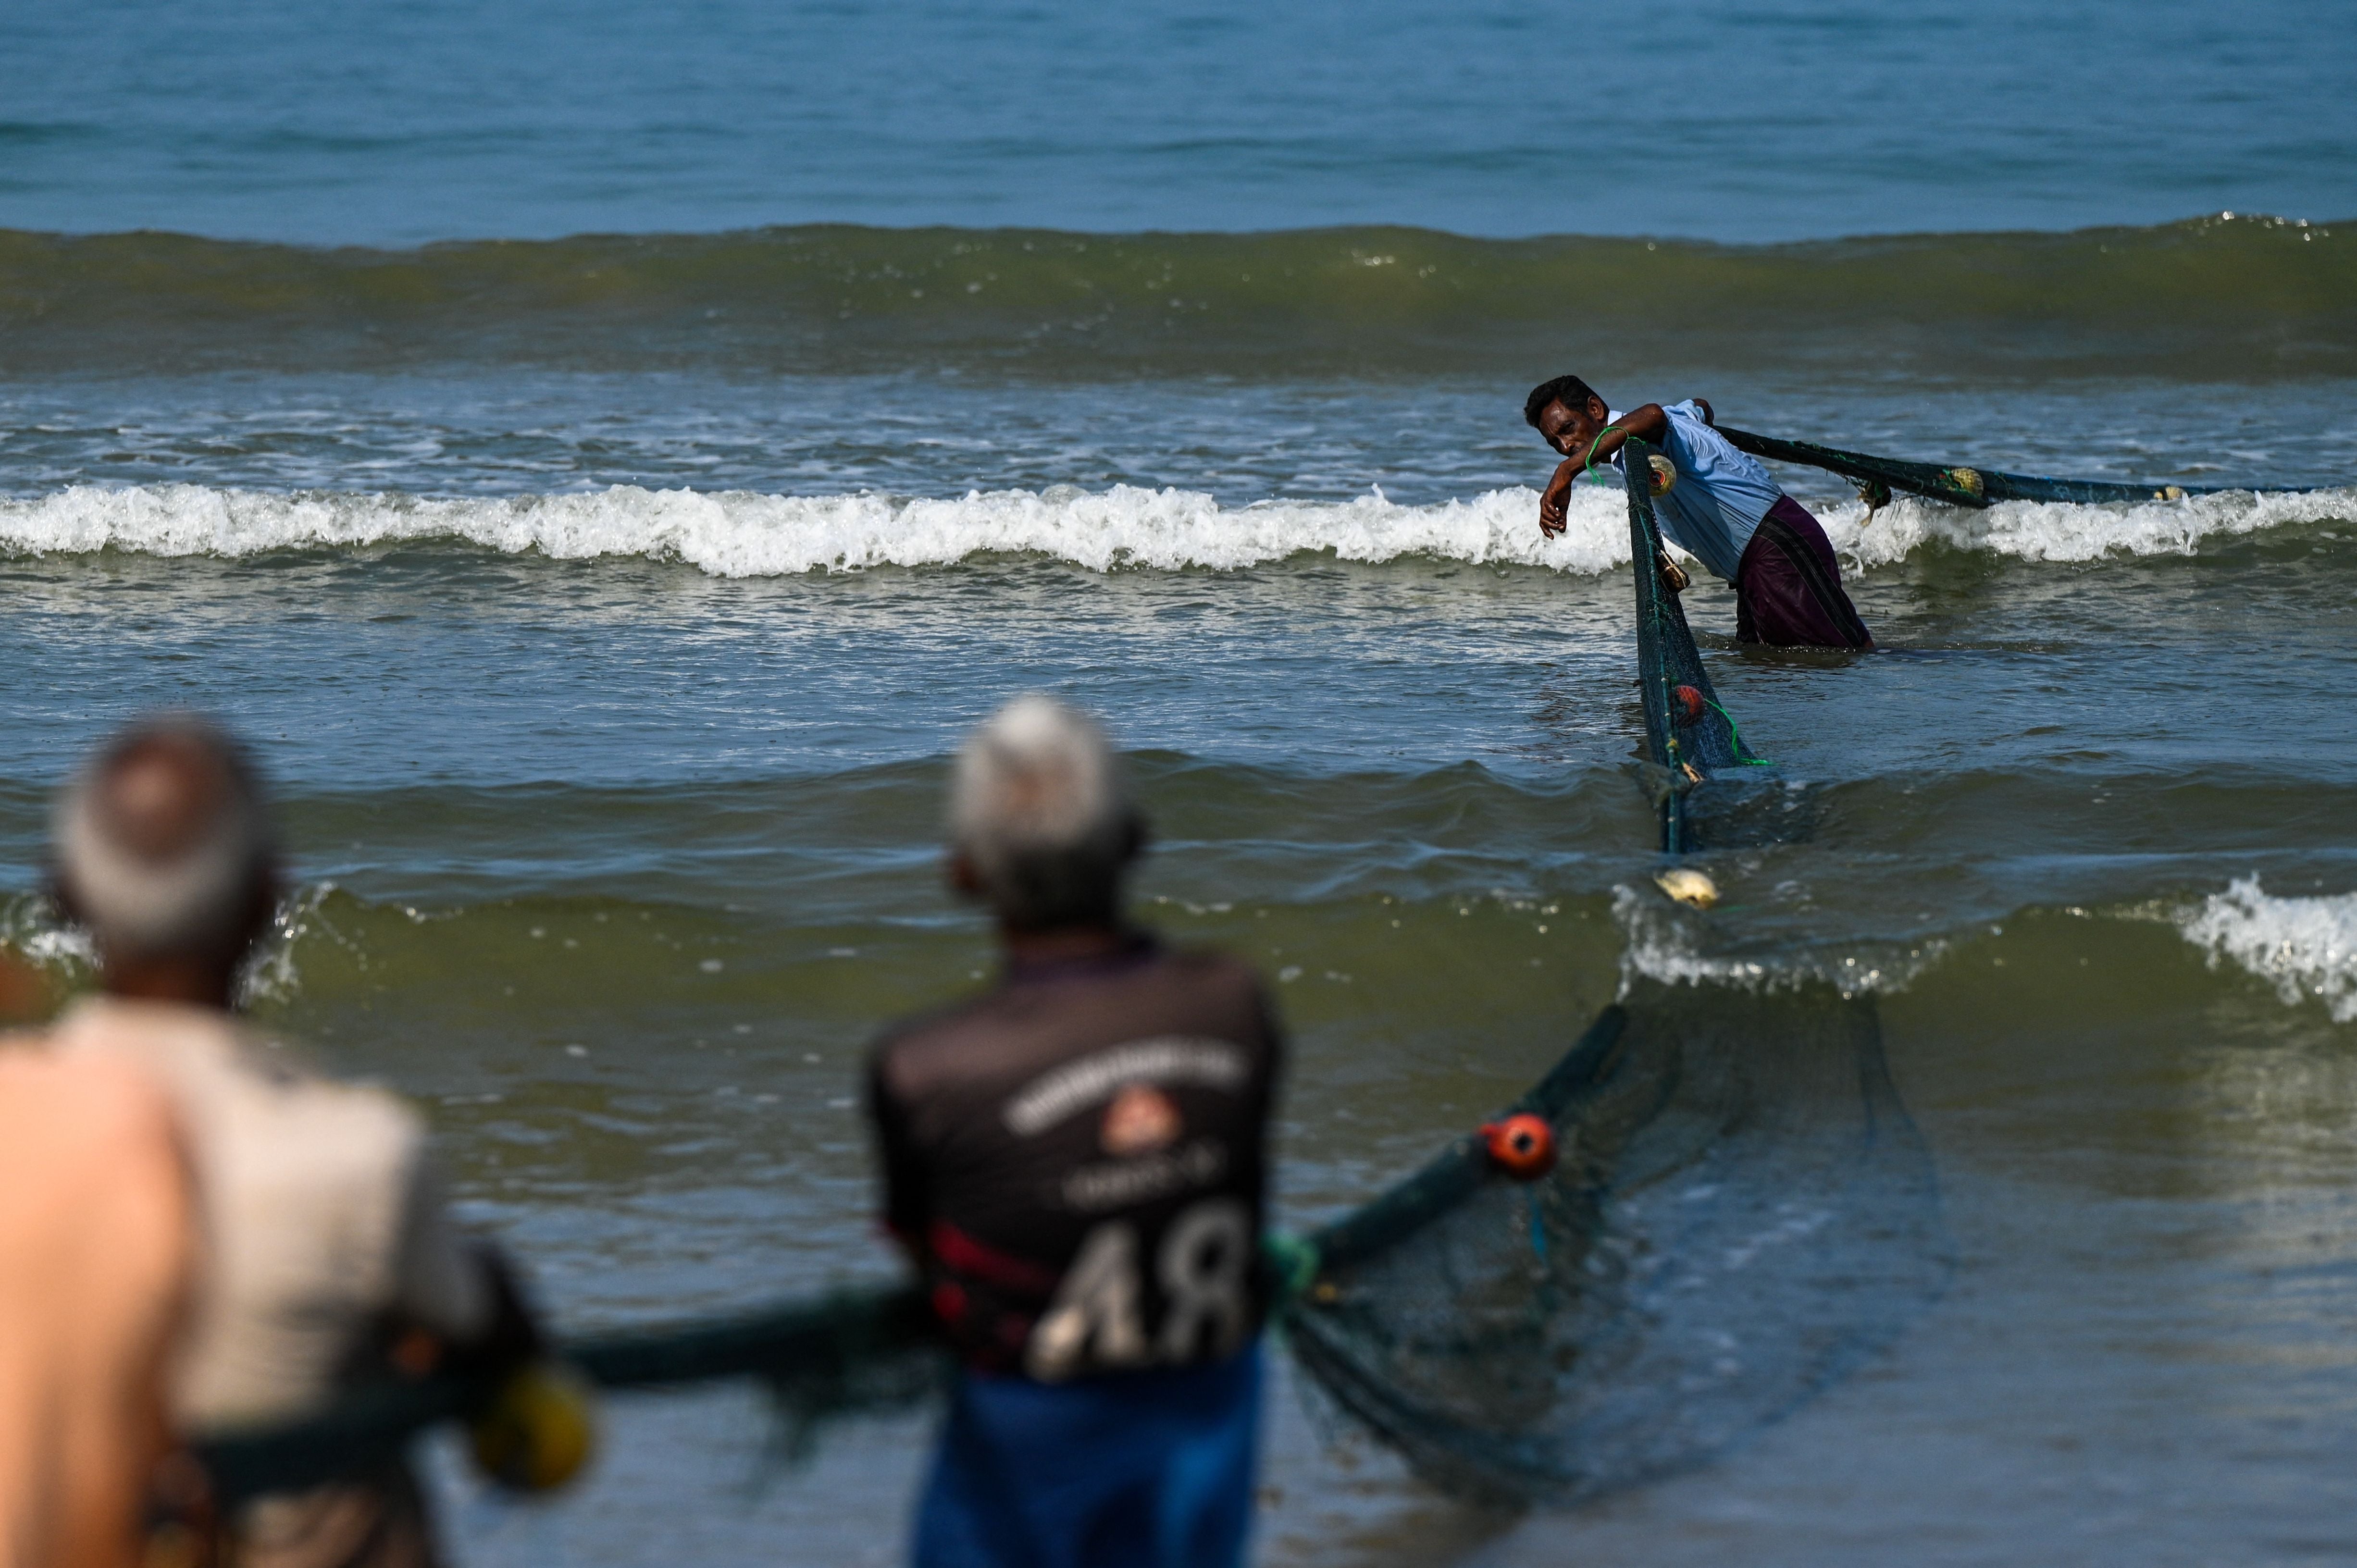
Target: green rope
[1587,468]
[1293,1263]
[1743,754]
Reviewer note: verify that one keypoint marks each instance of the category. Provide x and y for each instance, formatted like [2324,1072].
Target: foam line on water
[1662,944]
[746,535]
[741,534]
[2038,531]
[2307,948]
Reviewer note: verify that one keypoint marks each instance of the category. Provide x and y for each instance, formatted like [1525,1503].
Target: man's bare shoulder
[255,1090]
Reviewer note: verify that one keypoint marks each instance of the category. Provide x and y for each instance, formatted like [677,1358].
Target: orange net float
[1522,1146]
[1689,700]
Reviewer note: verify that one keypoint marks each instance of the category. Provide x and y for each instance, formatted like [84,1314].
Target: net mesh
[1687,745]
[1741,1210]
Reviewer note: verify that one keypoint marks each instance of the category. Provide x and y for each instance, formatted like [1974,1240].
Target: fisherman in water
[1075,1161]
[1721,507]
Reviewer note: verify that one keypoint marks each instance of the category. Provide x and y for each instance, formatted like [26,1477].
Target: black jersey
[1079,1159]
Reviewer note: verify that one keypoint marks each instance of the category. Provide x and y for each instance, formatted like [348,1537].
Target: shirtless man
[1075,1160]
[97,1245]
[1723,508]
[328,1259]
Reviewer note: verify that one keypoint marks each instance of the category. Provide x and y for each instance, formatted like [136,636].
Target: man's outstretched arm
[1646,424]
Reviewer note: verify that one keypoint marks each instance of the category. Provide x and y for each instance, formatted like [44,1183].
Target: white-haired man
[329,1258]
[1076,1161]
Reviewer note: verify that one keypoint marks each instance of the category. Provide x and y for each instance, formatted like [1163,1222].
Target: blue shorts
[1135,1470]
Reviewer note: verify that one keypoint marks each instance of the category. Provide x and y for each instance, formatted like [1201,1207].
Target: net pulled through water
[1958,486]
[1741,1210]
[1688,736]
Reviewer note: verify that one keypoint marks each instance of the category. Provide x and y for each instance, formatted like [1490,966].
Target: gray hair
[1041,810]
[163,889]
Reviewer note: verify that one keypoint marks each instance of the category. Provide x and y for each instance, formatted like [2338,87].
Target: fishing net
[1687,733]
[1877,476]
[1741,1209]
[850,1352]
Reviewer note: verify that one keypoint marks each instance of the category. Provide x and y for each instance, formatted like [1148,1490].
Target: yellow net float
[538,1429]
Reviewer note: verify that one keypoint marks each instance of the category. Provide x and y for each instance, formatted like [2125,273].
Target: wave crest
[2305,947]
[746,535]
[2228,298]
[741,534]
[2034,531]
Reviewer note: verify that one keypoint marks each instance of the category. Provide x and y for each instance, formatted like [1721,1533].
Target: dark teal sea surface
[381,123]
[605,458]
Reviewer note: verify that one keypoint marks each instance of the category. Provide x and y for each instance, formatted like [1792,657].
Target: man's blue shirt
[1720,495]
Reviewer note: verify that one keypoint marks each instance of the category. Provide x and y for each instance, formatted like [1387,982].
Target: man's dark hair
[1568,390]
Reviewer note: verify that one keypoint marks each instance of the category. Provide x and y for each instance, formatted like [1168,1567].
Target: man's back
[311,1192]
[1079,1158]
[326,1235]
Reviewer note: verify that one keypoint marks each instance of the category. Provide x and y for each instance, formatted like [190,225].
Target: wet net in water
[1688,735]
[1741,1209]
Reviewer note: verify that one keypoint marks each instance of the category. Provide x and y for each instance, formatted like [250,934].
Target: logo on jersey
[1075,1085]
[1140,1119]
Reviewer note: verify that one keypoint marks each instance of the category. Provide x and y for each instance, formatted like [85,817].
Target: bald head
[164,848]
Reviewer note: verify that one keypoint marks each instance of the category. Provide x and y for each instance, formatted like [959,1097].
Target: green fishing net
[1688,735]
[1740,1210]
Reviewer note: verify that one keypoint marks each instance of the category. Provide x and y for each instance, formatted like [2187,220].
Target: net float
[1688,886]
[538,1430]
[1689,701]
[1522,1146]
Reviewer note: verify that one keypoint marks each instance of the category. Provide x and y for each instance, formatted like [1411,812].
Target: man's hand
[1556,499]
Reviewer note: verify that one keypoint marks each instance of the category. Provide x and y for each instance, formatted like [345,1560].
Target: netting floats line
[1667,659]
[853,1348]
[1463,1168]
[1959,486]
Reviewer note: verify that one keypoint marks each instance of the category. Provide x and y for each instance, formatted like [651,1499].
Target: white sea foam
[1660,944]
[2038,531]
[745,535]
[738,535]
[2307,947]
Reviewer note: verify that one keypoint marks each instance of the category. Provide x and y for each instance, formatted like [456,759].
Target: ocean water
[1725,120]
[605,610]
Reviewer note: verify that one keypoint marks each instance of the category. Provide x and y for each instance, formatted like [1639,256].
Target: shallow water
[614,860]
[606,609]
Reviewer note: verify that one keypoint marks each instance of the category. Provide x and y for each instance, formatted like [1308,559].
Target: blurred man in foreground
[329,1259]
[1076,1162]
[96,1246]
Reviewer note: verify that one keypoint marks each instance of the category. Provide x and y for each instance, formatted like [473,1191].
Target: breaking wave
[1662,945]
[740,535]
[2307,948]
[2031,530]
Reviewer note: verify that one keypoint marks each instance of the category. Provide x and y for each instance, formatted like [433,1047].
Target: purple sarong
[1788,593]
